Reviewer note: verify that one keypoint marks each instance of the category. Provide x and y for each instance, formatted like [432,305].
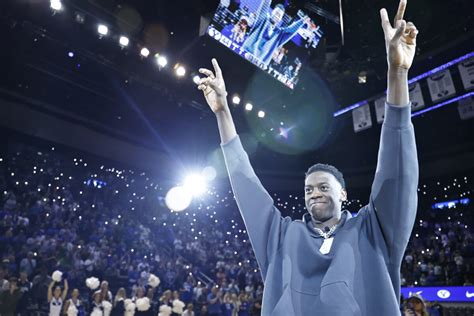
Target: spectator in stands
[25,288]
[415,306]
[214,301]
[10,298]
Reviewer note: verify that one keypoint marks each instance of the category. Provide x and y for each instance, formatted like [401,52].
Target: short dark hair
[280,6]
[329,169]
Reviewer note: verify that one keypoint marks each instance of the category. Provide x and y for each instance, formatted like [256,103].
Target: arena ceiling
[105,86]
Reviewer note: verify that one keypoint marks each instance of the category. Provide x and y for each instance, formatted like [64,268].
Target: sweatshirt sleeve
[262,219]
[393,198]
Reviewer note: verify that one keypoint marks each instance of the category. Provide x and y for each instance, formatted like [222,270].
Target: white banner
[466,70]
[441,85]
[416,97]
[361,118]
[380,108]
[466,108]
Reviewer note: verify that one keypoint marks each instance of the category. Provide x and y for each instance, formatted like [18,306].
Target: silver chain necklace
[327,234]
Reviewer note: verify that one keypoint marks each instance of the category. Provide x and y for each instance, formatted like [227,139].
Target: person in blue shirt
[330,263]
[267,35]
[227,305]
[214,301]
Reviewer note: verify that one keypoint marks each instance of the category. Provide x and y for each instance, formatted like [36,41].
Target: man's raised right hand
[213,87]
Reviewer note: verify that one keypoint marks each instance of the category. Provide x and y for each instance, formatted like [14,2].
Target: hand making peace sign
[400,40]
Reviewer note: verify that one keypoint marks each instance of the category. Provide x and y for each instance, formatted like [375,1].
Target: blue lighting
[450,204]
[434,107]
[442,67]
[99,184]
[415,79]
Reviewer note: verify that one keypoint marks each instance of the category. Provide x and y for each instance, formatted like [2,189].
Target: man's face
[323,195]
[277,16]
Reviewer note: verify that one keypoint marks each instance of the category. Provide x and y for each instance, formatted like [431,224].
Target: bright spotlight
[162,61]
[145,52]
[261,114]
[196,79]
[124,41]
[236,99]
[180,70]
[178,199]
[196,184]
[56,5]
[102,29]
[249,107]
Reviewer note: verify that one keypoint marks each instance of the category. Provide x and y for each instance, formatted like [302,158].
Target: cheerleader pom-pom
[107,305]
[92,283]
[153,280]
[72,310]
[143,304]
[178,306]
[130,307]
[57,276]
[165,310]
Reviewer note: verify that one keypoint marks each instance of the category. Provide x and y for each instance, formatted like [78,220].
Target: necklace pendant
[326,246]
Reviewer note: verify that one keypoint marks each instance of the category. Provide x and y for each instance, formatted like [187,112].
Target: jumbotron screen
[276,36]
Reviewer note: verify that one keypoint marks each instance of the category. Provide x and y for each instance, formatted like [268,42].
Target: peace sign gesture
[400,40]
[213,87]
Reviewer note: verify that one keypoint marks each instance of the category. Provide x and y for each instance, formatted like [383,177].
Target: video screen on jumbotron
[276,36]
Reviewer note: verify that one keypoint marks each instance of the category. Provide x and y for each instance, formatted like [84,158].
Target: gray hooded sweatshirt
[361,273]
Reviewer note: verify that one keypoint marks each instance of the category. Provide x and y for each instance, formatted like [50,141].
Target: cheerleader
[56,298]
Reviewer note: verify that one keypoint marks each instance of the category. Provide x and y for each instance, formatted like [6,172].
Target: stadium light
[236,99]
[195,184]
[123,41]
[56,5]
[362,77]
[180,70]
[102,29]
[261,114]
[145,52]
[248,107]
[161,61]
[178,199]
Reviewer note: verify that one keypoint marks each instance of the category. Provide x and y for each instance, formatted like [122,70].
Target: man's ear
[343,196]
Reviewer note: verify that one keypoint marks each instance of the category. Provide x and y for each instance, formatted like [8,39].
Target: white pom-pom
[126,302]
[72,310]
[107,307]
[130,307]
[153,280]
[143,304]
[165,310]
[57,276]
[92,283]
[178,306]
[96,312]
